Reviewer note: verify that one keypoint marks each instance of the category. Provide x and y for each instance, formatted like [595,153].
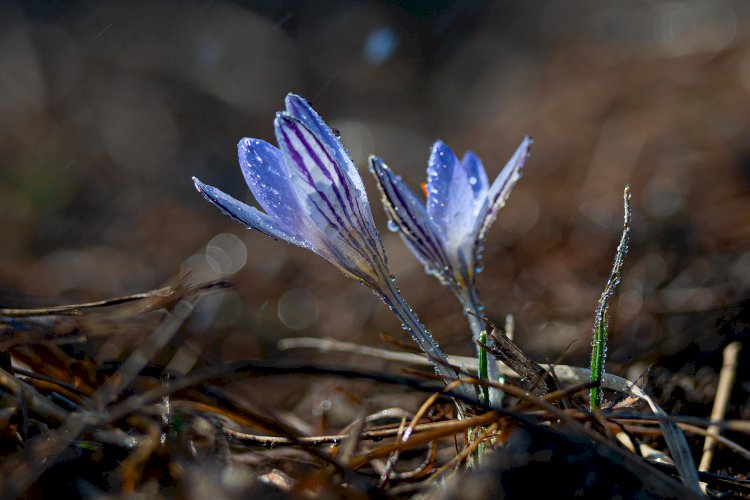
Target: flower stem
[419,333]
[469,297]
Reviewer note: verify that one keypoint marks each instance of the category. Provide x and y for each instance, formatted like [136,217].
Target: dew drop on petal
[392,226]
[472,180]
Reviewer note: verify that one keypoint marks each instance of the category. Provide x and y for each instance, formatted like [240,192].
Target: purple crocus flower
[447,232]
[313,197]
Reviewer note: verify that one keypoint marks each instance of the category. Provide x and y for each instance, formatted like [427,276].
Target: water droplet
[479,268]
[392,226]
[472,180]
[336,133]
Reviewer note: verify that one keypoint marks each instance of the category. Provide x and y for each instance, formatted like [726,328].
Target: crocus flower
[313,197]
[447,232]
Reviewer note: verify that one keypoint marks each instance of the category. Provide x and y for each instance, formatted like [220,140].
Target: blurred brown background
[108,108]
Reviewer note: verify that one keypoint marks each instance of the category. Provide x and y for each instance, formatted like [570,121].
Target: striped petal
[347,173]
[337,212]
[251,217]
[299,108]
[407,212]
[500,189]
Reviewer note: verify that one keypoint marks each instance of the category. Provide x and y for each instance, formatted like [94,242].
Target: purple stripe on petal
[327,165]
[316,181]
[300,109]
[249,216]
[336,216]
[409,214]
[347,173]
[323,179]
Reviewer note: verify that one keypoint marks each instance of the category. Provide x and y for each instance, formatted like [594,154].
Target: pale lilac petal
[500,189]
[268,177]
[475,174]
[407,212]
[251,217]
[450,197]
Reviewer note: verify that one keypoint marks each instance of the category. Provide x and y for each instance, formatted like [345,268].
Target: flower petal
[450,196]
[475,173]
[501,187]
[300,109]
[409,215]
[340,215]
[251,217]
[267,175]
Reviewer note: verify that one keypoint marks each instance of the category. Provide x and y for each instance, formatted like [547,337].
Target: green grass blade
[483,369]
[599,343]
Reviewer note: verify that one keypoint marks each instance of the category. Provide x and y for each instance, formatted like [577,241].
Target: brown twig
[721,401]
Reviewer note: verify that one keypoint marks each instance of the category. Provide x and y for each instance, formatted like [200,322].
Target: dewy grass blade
[599,344]
[483,370]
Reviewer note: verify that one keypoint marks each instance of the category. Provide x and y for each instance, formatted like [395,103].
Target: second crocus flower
[447,232]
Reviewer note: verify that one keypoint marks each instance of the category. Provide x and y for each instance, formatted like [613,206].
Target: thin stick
[721,401]
[375,434]
[464,453]
[78,309]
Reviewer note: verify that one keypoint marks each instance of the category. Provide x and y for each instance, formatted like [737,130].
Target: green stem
[393,299]
[469,298]
[599,344]
[598,357]
[485,393]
